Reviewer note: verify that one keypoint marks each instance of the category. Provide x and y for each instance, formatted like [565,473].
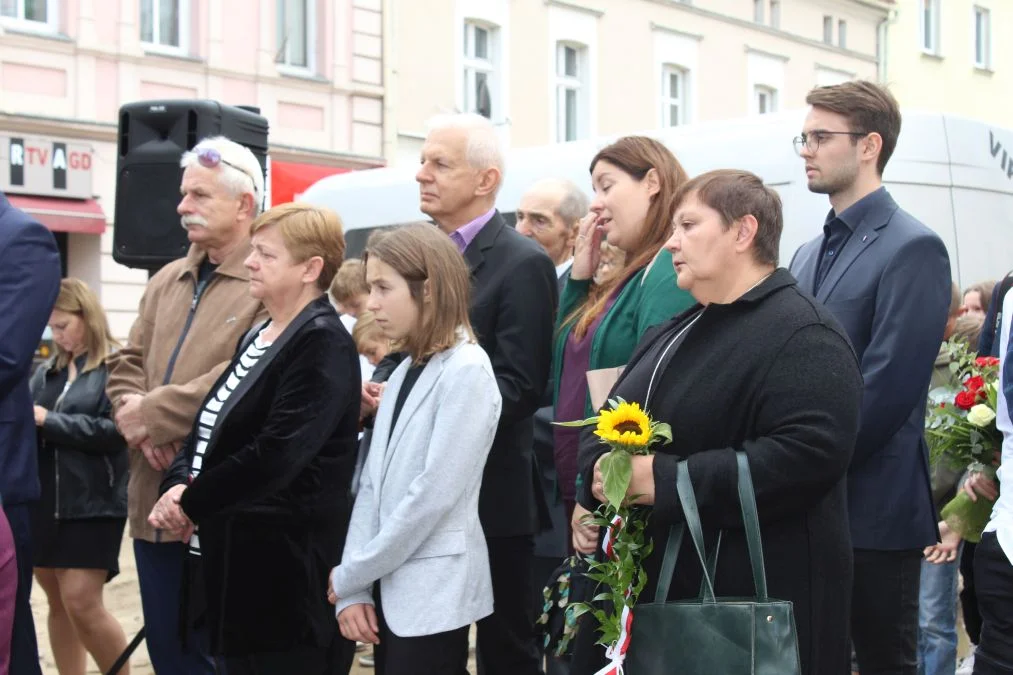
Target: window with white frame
[982,37]
[764,100]
[674,88]
[842,34]
[571,87]
[480,77]
[775,13]
[929,25]
[828,30]
[30,14]
[758,10]
[163,23]
[294,33]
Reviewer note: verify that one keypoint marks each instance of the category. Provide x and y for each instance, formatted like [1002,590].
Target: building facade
[950,56]
[314,68]
[546,71]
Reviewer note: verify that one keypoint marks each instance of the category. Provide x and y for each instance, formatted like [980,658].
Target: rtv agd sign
[45,166]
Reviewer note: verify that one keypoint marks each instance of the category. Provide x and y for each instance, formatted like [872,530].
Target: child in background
[369,339]
[348,294]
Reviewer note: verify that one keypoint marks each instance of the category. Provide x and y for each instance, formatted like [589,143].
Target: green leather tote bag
[709,635]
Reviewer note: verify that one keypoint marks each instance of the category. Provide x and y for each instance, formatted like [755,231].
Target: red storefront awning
[289,179]
[83,216]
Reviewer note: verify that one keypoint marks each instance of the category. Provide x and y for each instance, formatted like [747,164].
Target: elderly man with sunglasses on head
[192,314]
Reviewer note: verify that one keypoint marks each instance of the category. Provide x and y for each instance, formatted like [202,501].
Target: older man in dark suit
[29,283]
[513,306]
[549,213]
[886,277]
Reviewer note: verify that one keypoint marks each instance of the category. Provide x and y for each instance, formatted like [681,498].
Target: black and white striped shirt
[208,416]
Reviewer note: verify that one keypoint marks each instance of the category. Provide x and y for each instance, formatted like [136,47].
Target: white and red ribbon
[616,652]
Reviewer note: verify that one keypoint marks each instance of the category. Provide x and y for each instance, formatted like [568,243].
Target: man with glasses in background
[191,316]
[886,277]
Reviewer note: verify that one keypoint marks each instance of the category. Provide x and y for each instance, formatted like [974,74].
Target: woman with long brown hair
[635,181]
[78,522]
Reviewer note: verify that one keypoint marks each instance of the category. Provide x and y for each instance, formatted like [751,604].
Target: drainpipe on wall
[882,30]
[389,83]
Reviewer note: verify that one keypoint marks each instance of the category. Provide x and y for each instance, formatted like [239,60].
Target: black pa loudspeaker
[153,135]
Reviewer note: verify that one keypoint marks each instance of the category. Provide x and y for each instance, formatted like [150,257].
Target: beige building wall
[946,76]
[726,52]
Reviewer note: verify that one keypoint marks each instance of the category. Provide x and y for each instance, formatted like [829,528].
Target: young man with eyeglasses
[191,316]
[886,277]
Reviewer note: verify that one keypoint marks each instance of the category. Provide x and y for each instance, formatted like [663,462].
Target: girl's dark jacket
[80,444]
[271,502]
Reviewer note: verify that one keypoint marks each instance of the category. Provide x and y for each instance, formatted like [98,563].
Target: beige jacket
[223,315]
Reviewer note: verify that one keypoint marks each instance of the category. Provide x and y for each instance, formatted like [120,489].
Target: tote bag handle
[708,563]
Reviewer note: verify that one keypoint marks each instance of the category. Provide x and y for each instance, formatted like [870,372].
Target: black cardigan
[774,375]
[272,498]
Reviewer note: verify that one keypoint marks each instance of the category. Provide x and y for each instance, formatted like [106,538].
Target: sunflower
[627,424]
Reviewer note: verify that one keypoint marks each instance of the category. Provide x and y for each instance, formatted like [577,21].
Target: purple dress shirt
[464,235]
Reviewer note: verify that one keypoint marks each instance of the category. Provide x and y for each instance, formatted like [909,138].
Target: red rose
[975,383]
[984,361]
[965,400]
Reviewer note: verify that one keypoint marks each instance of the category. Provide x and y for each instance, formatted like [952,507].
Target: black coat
[80,450]
[272,499]
[513,310]
[771,374]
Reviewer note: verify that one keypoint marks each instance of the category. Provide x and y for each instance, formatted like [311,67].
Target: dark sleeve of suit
[522,356]
[312,392]
[912,303]
[29,283]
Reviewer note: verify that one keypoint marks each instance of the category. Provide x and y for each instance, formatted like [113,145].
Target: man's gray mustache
[187,221]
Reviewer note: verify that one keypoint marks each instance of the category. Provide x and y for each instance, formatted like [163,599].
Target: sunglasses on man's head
[211,158]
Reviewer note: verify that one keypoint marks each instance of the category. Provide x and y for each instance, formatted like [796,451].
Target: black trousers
[968,595]
[994,576]
[506,638]
[884,611]
[333,660]
[440,654]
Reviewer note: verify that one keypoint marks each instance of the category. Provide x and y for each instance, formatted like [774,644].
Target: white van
[953,173]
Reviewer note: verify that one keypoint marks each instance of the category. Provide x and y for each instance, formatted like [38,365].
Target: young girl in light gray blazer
[414,574]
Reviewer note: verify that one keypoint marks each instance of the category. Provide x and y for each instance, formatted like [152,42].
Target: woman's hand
[978,484]
[585,533]
[372,392]
[332,597]
[587,248]
[641,480]
[168,515]
[946,550]
[40,415]
[358,622]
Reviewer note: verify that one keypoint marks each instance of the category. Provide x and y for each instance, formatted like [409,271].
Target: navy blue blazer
[29,284]
[890,289]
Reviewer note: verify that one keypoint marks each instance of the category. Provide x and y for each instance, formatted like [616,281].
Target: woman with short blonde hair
[78,523]
[415,574]
[264,476]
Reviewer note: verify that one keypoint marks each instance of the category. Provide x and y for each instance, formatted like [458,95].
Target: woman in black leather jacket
[78,523]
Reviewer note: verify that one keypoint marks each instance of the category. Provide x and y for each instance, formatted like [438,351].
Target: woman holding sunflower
[635,180]
[757,366]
